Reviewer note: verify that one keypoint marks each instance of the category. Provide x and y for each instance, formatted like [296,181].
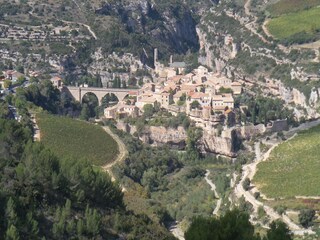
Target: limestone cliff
[158,136]
[166,25]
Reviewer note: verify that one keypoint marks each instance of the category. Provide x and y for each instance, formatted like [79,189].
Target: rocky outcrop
[218,145]
[171,24]
[304,107]
[159,136]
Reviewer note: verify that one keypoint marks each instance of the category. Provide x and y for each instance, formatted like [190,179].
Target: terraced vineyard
[72,138]
[292,168]
[290,6]
[288,25]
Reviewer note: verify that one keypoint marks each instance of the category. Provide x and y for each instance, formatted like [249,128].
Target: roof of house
[56,78]
[178,65]
[197,95]
[224,97]
[235,84]
[147,99]
[188,87]
[176,78]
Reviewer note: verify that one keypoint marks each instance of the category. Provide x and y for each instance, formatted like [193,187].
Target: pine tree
[80,228]
[92,219]
[10,212]
[12,233]
[32,225]
[85,112]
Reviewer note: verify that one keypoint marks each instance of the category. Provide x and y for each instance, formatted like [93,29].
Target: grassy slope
[290,6]
[69,137]
[288,25]
[293,167]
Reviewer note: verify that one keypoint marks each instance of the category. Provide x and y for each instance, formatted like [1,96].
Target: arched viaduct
[78,92]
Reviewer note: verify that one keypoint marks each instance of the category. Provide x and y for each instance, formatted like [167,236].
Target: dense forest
[44,196]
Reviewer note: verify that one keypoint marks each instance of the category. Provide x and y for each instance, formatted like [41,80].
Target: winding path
[249,171]
[123,153]
[214,189]
[83,24]
[174,227]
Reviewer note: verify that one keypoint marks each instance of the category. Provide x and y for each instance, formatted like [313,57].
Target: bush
[256,195]
[280,209]
[246,184]
[306,217]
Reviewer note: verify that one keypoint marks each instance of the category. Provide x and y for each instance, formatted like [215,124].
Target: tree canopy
[233,225]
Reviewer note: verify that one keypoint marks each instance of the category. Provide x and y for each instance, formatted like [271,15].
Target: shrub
[246,184]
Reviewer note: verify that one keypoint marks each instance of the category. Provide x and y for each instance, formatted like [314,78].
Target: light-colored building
[166,99]
[111,112]
[220,102]
[13,75]
[121,111]
[236,88]
[145,100]
[56,81]
[203,98]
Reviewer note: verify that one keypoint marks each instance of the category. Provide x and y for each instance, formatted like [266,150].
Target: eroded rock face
[227,144]
[218,145]
[172,25]
[160,136]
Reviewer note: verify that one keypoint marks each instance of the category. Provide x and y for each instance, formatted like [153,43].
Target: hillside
[118,25]
[291,169]
[295,21]
[76,139]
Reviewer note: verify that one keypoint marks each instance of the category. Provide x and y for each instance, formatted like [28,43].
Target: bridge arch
[90,96]
[109,99]
[78,92]
[92,102]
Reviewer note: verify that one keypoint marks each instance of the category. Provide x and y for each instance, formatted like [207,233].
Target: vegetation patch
[302,26]
[72,138]
[292,168]
[290,6]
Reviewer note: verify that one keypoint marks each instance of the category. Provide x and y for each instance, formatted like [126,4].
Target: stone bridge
[79,92]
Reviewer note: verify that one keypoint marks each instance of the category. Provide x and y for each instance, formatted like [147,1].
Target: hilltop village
[201,94]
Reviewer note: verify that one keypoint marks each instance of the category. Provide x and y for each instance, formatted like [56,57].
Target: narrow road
[123,153]
[174,227]
[83,24]
[214,189]
[249,171]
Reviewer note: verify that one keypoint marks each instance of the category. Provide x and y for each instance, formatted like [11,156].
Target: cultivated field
[287,25]
[290,6]
[292,168]
[72,138]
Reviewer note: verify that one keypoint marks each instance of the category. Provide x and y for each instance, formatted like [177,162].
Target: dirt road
[121,156]
[214,189]
[249,171]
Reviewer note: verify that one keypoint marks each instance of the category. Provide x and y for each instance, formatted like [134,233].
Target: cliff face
[227,144]
[166,26]
[158,136]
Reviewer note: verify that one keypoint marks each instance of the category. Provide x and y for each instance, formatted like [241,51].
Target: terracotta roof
[56,78]
[133,92]
[198,95]
[235,84]
[176,78]
[188,87]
